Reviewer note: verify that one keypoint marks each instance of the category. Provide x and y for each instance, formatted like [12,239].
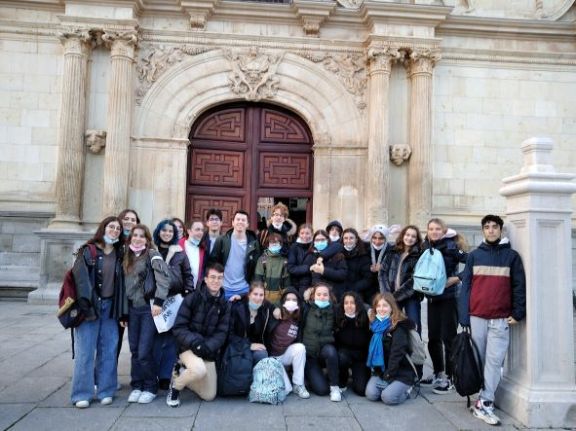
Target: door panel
[216,167]
[280,170]
[228,125]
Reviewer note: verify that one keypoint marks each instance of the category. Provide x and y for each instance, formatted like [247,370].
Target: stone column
[71,152]
[119,121]
[378,173]
[538,386]
[420,65]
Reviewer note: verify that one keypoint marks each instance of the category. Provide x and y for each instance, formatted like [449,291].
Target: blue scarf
[376,349]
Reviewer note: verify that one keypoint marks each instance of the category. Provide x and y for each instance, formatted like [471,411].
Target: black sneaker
[173,397]
[446,387]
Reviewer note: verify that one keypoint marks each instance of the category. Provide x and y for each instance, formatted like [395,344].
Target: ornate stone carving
[157,61]
[311,25]
[381,58]
[199,11]
[399,153]
[121,43]
[350,4]
[349,68]
[74,40]
[95,140]
[253,73]
[422,60]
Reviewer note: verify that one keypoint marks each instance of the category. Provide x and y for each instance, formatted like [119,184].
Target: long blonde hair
[459,239]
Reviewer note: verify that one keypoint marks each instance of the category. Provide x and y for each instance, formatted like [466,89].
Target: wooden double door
[242,155]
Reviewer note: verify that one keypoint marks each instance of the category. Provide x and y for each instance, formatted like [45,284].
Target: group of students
[334,308]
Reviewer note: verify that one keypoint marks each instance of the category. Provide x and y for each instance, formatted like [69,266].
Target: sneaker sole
[439,392]
[486,419]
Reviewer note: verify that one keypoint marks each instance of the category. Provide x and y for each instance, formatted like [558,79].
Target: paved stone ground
[36,368]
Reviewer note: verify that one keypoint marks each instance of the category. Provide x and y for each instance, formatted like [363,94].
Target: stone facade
[89,89]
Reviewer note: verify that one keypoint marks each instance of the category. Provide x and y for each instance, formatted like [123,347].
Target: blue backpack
[268,382]
[430,273]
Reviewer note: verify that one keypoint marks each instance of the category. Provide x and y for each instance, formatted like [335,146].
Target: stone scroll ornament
[253,73]
[157,60]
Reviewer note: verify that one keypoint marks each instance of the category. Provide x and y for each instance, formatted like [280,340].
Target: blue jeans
[412,308]
[395,392]
[165,354]
[141,335]
[95,356]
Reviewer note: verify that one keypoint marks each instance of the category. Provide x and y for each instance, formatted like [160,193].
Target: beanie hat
[334,223]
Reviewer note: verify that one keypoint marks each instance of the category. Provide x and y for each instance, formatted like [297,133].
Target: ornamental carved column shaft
[71,152]
[420,65]
[117,160]
[378,178]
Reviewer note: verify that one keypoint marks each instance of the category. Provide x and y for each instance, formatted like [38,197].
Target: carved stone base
[57,248]
[65,222]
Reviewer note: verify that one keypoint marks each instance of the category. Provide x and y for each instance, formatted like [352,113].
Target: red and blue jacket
[493,284]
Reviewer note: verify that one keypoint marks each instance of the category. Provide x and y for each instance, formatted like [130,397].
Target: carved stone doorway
[244,155]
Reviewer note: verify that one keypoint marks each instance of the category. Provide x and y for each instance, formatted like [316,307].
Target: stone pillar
[119,121]
[420,65]
[378,169]
[71,152]
[538,386]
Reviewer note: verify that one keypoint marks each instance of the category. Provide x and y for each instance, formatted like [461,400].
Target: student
[279,224]
[213,226]
[238,251]
[284,345]
[129,218]
[253,317]
[180,228]
[318,338]
[101,295]
[359,276]
[493,298]
[165,237]
[378,248]
[329,269]
[334,230]
[442,309]
[397,270]
[139,257]
[195,250]
[298,269]
[272,269]
[200,329]
[392,375]
[352,339]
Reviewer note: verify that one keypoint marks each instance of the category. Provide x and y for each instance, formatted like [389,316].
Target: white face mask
[351,316]
[334,238]
[350,247]
[378,247]
[277,226]
[301,241]
[291,306]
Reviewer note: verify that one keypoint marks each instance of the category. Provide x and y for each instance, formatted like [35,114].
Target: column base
[538,408]
[65,222]
[57,248]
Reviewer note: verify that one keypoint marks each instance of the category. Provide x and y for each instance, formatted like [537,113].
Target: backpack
[417,357]
[268,384]
[467,369]
[69,313]
[430,273]
[235,368]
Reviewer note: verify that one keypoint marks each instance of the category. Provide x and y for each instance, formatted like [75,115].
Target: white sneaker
[106,401]
[134,396]
[82,404]
[484,410]
[335,394]
[146,397]
[301,391]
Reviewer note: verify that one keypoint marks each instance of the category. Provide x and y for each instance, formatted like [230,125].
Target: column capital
[422,60]
[121,43]
[75,40]
[380,58]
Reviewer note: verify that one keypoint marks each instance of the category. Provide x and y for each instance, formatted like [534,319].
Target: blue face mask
[320,245]
[126,232]
[275,248]
[109,240]
[321,304]
[253,306]
[382,318]
[194,241]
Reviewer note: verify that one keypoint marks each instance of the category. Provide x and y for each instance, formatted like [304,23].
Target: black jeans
[317,381]
[442,327]
[355,361]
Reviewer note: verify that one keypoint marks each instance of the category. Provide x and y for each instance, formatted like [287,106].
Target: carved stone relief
[399,153]
[95,140]
[349,68]
[350,4]
[253,73]
[157,61]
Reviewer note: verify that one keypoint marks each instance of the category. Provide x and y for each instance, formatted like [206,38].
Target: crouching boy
[200,330]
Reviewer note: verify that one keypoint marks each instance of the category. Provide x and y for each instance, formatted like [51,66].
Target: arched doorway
[249,156]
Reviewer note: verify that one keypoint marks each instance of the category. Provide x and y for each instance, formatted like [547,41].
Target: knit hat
[334,223]
[378,228]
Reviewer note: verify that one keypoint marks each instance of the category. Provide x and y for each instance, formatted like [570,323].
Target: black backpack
[468,371]
[235,369]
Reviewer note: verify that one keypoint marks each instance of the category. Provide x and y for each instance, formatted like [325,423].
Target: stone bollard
[538,387]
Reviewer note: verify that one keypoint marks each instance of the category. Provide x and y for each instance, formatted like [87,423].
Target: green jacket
[318,328]
[272,270]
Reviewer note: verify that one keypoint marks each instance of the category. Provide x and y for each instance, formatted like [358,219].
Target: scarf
[376,348]
[380,256]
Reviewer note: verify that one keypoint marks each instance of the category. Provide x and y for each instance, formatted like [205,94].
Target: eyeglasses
[215,277]
[213,219]
[277,215]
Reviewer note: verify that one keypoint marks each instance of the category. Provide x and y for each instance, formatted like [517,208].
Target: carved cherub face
[399,153]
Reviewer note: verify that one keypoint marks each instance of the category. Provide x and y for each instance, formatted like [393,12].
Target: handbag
[165,320]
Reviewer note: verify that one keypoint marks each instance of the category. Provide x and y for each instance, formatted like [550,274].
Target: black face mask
[493,242]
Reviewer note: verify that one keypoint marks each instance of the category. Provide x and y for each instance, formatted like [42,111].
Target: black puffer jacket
[264,323]
[359,276]
[202,323]
[335,271]
[396,343]
[87,274]
[179,263]
[389,271]
[298,270]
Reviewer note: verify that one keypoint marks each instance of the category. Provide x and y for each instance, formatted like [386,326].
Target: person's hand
[452,281]
[257,346]
[235,298]
[512,321]
[307,294]
[123,324]
[319,266]
[371,314]
[375,267]
[156,310]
